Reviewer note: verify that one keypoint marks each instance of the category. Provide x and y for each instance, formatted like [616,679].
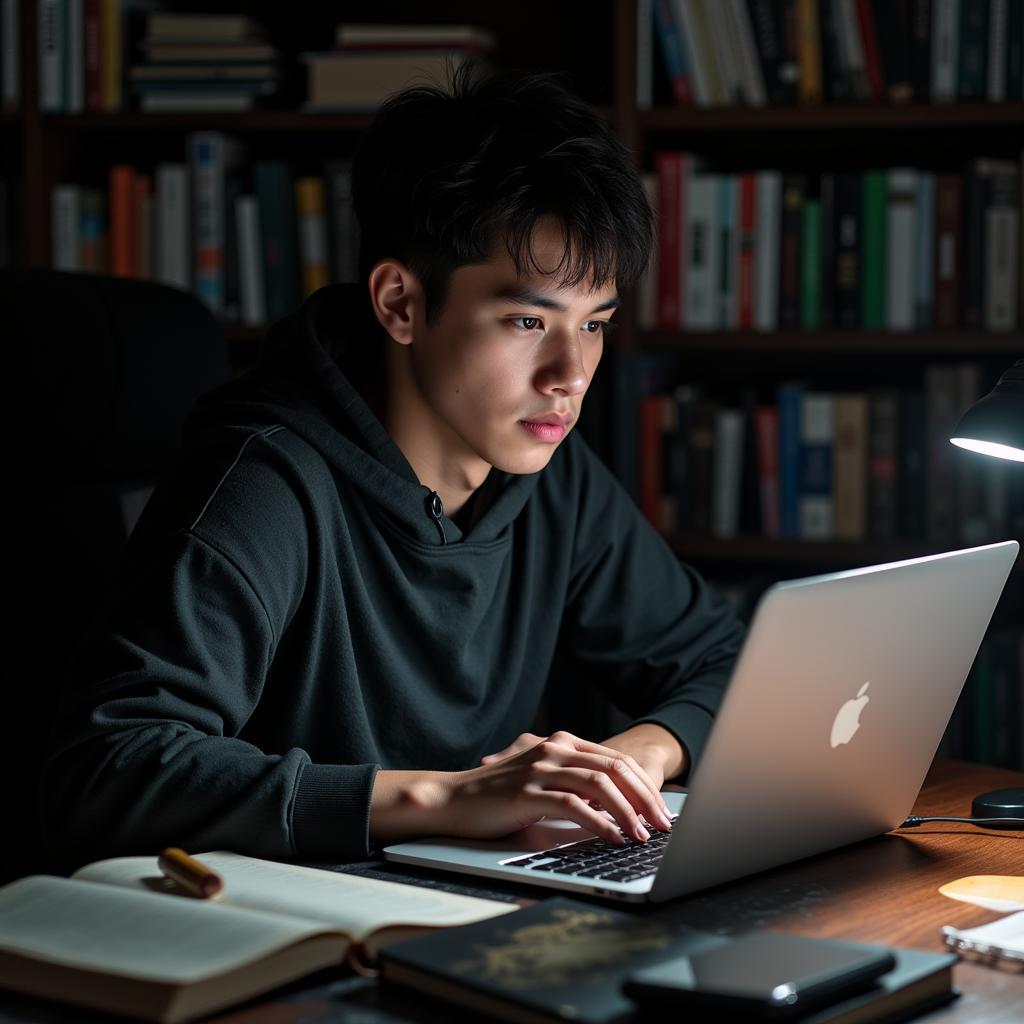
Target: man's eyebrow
[532,297]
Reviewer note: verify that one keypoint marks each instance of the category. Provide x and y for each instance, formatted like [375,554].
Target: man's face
[504,371]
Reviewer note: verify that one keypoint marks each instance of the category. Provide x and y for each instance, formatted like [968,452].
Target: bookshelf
[599,43]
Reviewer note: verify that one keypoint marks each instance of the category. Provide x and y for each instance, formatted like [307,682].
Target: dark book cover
[883,464]
[766,21]
[560,959]
[838,87]
[794,188]
[846,273]
[946,289]
[893,27]
[700,450]
[912,462]
[789,399]
[973,268]
[972,64]
[1014,52]
[872,51]
[234,187]
[921,49]
[272,183]
[828,249]
[941,414]
[873,247]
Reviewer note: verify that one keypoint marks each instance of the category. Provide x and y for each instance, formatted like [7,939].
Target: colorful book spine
[809,87]
[728,253]
[208,161]
[111,55]
[810,266]
[872,50]
[766,432]
[748,216]
[122,226]
[312,223]
[673,54]
[851,466]
[817,441]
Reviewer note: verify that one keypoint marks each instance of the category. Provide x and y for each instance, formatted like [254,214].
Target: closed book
[560,959]
[873,250]
[766,434]
[827,265]
[924,248]
[701,453]
[727,473]
[142,224]
[789,402]
[851,43]
[767,249]
[893,20]
[701,305]
[809,86]
[725,55]
[678,485]
[794,189]
[93,253]
[912,465]
[52,43]
[1014,89]
[945,49]
[901,246]
[647,288]
[645,64]
[921,49]
[975,203]
[872,50]
[810,266]
[816,500]
[728,252]
[670,45]
[343,228]
[670,168]
[312,224]
[705,83]
[948,202]
[173,231]
[1002,258]
[851,467]
[836,81]
[767,30]
[755,90]
[74,76]
[847,270]
[252,295]
[111,55]
[883,464]
[746,243]
[941,415]
[66,219]
[972,60]
[272,184]
[121,204]
[93,66]
[649,459]
[996,57]
[10,54]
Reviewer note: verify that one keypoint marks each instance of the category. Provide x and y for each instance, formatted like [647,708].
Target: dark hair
[442,174]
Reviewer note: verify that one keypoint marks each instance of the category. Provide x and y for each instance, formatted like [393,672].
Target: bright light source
[998,451]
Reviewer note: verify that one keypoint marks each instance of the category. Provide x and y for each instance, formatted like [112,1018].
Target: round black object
[1000,803]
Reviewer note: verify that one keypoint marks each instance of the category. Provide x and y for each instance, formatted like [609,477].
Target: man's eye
[528,323]
[594,326]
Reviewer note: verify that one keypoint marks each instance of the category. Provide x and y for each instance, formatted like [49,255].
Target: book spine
[680,487]
[941,416]
[700,452]
[852,47]
[75,67]
[810,266]
[838,88]
[972,57]
[672,53]
[671,217]
[872,54]
[142,223]
[996,58]
[173,261]
[206,157]
[883,464]
[893,20]
[752,75]
[344,228]
[1001,277]
[747,236]
[647,288]
[312,224]
[250,264]
[724,55]
[789,403]
[817,440]
[122,227]
[851,467]
[668,503]
[766,431]
[767,250]
[644,54]
[702,253]
[828,249]
[727,473]
[728,252]
[93,69]
[765,22]
[901,236]
[93,232]
[697,46]
[66,221]
[945,49]
[111,55]
[873,246]
[1014,89]
[272,183]
[968,470]
[972,297]
[921,49]
[51,56]
[10,54]
[948,201]
[793,191]
[847,249]
[650,458]
[234,187]
[809,86]
[924,249]
[912,464]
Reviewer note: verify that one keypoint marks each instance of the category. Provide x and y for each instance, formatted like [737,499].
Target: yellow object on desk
[995,892]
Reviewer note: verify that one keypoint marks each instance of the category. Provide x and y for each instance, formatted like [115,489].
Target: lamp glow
[994,425]
[997,451]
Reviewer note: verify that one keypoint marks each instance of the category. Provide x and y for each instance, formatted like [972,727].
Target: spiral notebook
[999,941]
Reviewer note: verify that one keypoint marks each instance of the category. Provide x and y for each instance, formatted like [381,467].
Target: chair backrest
[102,373]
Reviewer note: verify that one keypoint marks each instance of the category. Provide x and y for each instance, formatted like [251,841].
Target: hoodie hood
[306,381]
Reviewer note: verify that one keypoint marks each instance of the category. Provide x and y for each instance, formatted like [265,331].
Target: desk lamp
[994,426]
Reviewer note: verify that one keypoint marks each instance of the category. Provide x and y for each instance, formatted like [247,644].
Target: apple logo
[848,719]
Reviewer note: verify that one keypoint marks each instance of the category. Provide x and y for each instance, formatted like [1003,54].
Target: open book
[118,936]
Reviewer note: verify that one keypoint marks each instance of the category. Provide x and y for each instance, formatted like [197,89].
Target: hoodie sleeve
[640,624]
[146,750]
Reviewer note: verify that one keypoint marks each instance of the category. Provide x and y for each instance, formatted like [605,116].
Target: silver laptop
[838,701]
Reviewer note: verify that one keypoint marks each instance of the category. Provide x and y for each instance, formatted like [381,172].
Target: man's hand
[559,776]
[655,749]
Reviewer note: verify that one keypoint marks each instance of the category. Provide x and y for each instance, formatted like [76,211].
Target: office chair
[102,372]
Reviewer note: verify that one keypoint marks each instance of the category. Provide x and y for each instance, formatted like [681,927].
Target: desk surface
[884,890]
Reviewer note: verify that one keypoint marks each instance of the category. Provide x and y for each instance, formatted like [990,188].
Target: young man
[340,613]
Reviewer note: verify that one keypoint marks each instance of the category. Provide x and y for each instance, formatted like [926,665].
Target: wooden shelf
[834,341]
[254,121]
[838,118]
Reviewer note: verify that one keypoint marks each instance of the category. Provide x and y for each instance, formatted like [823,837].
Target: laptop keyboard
[597,858]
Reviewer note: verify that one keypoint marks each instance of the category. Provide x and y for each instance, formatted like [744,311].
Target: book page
[359,906]
[137,934]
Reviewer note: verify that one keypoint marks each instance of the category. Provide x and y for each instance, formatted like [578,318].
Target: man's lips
[558,419]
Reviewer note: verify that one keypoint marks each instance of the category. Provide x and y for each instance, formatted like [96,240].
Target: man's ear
[395,294]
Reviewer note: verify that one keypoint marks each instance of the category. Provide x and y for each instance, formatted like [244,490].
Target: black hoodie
[297,612]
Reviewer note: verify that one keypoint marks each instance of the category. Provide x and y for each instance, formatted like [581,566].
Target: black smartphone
[766,974]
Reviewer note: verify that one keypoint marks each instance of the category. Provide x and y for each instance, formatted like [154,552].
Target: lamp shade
[994,425]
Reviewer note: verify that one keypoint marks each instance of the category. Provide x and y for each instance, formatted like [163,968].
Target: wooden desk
[884,890]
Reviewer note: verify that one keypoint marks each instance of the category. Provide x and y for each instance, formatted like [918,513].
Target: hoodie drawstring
[436,510]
